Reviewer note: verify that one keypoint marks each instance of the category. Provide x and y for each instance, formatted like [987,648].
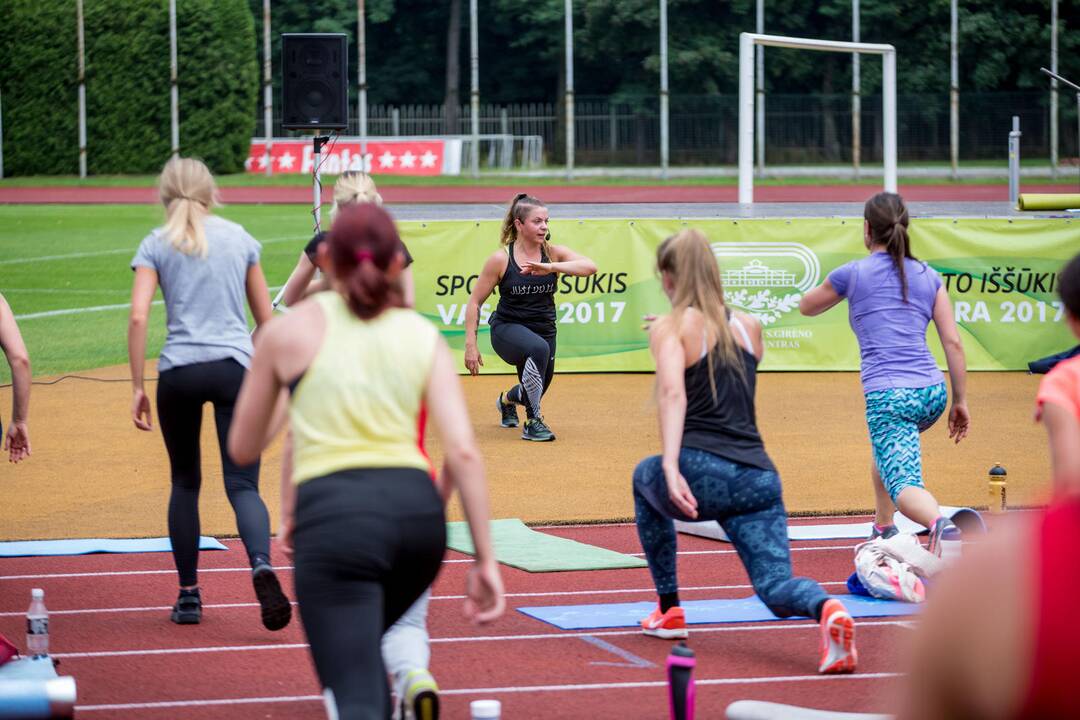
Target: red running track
[110,630]
[550,193]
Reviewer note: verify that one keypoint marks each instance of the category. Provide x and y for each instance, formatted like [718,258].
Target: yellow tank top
[360,402]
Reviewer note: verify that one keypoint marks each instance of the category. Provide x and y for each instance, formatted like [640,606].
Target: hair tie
[362,255]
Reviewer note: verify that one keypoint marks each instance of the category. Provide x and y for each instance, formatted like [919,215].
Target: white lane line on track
[505,690]
[90,309]
[567,593]
[119,251]
[621,591]
[805,625]
[111,573]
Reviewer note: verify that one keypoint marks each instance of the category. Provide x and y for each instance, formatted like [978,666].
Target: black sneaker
[188,608]
[508,411]
[537,431]
[276,609]
[942,526]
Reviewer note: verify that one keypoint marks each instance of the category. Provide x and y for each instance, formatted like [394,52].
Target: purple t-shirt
[891,333]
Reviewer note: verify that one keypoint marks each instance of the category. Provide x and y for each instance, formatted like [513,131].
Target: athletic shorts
[895,417]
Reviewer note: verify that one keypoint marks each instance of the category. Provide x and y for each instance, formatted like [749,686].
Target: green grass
[871,178]
[97,244]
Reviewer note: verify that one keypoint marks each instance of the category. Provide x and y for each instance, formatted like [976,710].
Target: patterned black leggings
[748,504]
[534,357]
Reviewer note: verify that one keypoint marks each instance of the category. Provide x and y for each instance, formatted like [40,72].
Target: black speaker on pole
[314,81]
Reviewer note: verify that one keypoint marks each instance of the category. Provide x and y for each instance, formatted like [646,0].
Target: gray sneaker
[537,431]
[508,411]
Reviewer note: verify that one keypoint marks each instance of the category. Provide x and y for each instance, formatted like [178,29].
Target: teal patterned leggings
[895,418]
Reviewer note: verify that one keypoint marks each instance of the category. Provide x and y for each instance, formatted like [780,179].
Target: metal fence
[798,128]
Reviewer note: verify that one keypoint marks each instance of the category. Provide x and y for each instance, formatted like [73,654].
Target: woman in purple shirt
[892,297]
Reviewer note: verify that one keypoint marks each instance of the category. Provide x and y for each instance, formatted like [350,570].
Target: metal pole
[663,92]
[174,89]
[1053,88]
[569,89]
[760,90]
[888,111]
[474,91]
[361,51]
[268,93]
[954,91]
[1014,161]
[82,88]
[746,118]
[856,96]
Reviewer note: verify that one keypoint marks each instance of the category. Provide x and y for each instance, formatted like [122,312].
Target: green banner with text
[1000,274]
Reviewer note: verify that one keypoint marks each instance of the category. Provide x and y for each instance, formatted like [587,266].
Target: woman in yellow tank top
[364,373]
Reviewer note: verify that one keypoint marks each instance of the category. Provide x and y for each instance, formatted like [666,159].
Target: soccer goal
[747,41]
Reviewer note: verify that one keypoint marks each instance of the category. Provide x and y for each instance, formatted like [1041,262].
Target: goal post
[747,42]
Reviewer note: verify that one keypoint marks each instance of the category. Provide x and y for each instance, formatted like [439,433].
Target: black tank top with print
[527,300]
[727,426]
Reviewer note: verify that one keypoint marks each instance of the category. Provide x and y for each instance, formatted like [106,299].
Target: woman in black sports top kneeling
[526,272]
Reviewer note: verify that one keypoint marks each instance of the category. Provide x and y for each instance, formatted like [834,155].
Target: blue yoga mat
[86,546]
[751,609]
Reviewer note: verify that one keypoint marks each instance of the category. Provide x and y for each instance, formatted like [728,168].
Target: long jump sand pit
[93,474]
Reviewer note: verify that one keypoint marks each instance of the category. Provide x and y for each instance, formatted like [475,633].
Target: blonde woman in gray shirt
[206,266]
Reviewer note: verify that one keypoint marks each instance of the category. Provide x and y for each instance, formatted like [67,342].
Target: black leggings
[181,393]
[368,543]
[534,357]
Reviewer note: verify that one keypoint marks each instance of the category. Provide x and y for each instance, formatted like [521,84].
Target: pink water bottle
[680,671]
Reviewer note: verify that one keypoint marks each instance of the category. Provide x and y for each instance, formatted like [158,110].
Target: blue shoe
[508,411]
[537,431]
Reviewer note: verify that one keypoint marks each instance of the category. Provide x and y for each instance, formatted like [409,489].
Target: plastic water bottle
[680,670]
[998,503]
[37,625]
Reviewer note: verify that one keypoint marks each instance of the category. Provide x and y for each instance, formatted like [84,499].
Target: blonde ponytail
[187,191]
[689,261]
[353,188]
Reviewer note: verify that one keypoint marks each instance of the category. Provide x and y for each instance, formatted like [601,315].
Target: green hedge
[127,84]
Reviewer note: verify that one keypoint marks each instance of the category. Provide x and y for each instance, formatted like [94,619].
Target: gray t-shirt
[204,297]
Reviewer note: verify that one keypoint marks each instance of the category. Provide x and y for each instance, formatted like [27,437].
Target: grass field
[65,270]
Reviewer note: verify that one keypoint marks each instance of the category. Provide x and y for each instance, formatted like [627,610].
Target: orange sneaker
[669,626]
[837,639]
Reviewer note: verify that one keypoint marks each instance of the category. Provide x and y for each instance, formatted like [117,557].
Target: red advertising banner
[384,157]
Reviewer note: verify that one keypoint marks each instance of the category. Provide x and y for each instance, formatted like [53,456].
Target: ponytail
[519,209]
[187,191]
[887,216]
[363,243]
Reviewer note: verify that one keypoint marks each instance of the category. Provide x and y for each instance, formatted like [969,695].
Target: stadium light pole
[268,93]
[664,139]
[569,89]
[954,90]
[474,89]
[856,94]
[759,93]
[1053,88]
[174,91]
[361,64]
[82,87]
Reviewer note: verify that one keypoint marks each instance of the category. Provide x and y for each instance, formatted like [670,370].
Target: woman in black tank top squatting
[526,271]
[713,464]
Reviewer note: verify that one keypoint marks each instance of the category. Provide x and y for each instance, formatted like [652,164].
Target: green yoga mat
[1049,201]
[518,546]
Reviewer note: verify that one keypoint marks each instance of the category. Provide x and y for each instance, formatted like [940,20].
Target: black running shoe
[508,411]
[188,608]
[537,431]
[276,609]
